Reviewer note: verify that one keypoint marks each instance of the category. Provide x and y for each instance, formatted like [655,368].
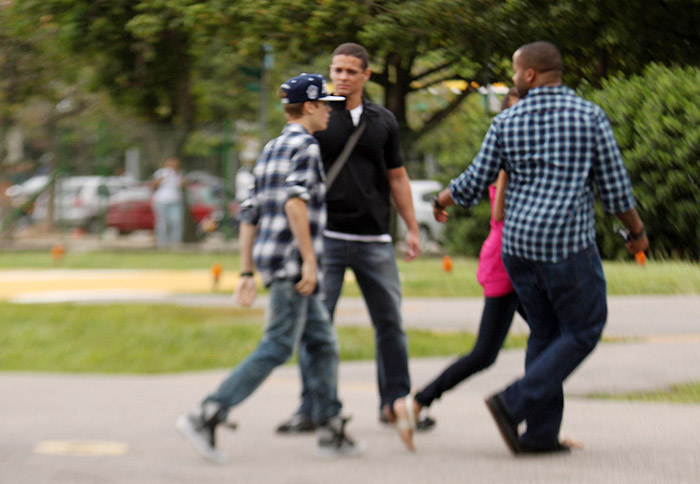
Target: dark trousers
[566,310]
[374,266]
[496,319]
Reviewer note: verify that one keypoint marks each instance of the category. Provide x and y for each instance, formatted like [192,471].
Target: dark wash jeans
[374,266]
[496,319]
[566,310]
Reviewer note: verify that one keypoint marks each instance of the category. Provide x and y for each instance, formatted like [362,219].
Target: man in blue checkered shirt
[281,233]
[557,149]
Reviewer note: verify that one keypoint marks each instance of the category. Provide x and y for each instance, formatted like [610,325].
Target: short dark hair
[542,56]
[354,50]
[296,110]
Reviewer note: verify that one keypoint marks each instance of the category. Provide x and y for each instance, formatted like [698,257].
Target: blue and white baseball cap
[306,87]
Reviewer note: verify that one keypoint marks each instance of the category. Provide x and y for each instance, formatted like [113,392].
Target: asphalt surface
[61,428]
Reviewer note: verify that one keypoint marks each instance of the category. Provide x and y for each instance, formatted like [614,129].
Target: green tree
[419,44]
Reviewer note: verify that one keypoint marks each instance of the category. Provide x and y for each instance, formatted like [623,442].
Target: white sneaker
[334,442]
[200,432]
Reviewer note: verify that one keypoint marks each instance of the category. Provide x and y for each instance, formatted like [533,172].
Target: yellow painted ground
[14,283]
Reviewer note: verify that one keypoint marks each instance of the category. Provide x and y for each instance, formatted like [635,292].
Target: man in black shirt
[357,235]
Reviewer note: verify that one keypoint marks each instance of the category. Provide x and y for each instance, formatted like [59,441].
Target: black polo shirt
[359,201]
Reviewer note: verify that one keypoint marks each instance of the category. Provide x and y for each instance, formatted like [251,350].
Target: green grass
[686,393]
[423,277]
[144,338]
[143,259]
[150,339]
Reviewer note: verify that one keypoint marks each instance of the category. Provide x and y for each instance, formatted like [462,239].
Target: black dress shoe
[504,422]
[298,424]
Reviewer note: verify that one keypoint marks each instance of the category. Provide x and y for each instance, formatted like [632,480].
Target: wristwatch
[642,233]
[436,203]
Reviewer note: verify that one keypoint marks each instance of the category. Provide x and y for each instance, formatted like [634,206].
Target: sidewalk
[624,442]
[127,421]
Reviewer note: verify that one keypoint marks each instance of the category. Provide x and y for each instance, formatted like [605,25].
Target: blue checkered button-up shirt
[289,166]
[556,147]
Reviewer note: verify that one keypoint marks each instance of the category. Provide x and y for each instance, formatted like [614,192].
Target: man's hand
[440,202]
[309,279]
[440,215]
[635,246]
[246,291]
[412,246]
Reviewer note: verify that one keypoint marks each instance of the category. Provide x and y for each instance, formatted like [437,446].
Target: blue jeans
[291,319]
[374,266]
[566,310]
[169,221]
[496,319]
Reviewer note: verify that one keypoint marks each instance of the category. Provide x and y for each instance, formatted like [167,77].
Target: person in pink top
[500,304]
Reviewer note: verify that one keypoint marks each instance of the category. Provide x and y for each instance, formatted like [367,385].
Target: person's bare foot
[404,416]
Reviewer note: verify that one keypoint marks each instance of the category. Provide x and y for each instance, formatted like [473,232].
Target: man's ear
[308,107]
[530,75]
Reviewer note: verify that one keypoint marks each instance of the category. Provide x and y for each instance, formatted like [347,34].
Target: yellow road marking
[81,448]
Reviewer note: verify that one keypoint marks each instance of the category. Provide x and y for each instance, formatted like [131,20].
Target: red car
[131,209]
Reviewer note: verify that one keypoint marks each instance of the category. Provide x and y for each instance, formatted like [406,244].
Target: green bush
[656,119]
[467,229]
[455,144]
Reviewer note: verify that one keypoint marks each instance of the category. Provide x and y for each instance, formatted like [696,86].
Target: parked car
[422,192]
[80,201]
[132,209]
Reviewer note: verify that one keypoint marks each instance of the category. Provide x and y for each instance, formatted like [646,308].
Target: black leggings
[496,319]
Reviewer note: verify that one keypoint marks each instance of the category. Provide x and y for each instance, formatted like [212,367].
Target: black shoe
[384,418]
[298,424]
[424,422]
[560,447]
[504,422]
[198,427]
[333,441]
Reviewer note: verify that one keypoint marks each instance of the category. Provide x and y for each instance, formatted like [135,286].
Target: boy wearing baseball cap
[281,231]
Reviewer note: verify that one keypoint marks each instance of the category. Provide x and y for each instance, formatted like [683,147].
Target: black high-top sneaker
[199,429]
[333,441]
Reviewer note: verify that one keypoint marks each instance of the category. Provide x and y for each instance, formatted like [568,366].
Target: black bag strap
[344,155]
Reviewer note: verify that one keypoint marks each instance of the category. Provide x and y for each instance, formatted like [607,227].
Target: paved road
[133,416]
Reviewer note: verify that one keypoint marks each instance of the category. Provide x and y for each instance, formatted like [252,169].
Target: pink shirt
[491,272]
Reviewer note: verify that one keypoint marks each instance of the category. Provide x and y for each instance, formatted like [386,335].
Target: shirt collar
[548,90]
[293,127]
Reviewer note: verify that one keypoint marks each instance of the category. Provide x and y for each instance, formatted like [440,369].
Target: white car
[22,191]
[430,229]
[81,200]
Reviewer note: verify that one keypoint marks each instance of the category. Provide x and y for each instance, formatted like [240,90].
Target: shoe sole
[184,426]
[498,415]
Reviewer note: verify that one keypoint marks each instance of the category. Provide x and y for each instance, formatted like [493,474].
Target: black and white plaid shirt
[289,166]
[556,147]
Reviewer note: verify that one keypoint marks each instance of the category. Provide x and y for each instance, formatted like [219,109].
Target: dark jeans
[496,319]
[374,266]
[566,310]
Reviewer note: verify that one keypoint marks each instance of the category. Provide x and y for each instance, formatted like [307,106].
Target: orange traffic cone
[447,263]
[641,258]
[57,252]
[216,271]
